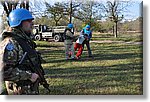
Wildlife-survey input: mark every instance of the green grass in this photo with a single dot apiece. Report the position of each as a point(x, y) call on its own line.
point(134, 37)
point(115, 69)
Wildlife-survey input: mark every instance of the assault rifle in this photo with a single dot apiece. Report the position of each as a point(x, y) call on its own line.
point(37, 68)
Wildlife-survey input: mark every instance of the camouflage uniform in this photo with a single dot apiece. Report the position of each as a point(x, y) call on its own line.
point(69, 48)
point(17, 77)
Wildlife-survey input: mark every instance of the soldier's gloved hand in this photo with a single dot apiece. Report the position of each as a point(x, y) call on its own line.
point(34, 77)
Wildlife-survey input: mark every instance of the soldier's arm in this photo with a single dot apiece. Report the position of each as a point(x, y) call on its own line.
point(12, 54)
point(64, 35)
point(90, 35)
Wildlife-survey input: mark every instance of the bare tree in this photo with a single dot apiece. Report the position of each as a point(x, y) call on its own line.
point(63, 9)
point(24, 4)
point(73, 7)
point(56, 11)
point(115, 10)
point(89, 12)
point(70, 8)
point(10, 5)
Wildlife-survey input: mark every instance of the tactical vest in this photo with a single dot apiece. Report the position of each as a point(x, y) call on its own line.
point(66, 37)
point(26, 46)
point(31, 52)
point(32, 55)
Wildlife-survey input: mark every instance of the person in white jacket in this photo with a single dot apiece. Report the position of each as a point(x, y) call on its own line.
point(78, 46)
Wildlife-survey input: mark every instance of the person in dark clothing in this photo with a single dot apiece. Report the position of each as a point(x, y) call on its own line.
point(86, 31)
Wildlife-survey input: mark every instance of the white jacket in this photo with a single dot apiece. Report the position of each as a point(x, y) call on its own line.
point(80, 39)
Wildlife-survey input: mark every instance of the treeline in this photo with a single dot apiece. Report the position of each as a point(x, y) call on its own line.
point(103, 16)
point(132, 26)
point(99, 26)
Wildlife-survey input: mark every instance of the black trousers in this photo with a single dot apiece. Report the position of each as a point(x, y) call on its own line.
point(87, 43)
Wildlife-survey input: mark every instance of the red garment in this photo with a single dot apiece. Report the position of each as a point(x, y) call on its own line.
point(80, 49)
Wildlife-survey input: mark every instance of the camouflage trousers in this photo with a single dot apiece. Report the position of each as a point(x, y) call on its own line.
point(69, 51)
point(14, 89)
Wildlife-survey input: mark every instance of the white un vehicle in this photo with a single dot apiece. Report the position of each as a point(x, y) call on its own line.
point(44, 32)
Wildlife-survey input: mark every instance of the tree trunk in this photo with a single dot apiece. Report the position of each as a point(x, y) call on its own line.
point(115, 30)
point(9, 6)
point(27, 4)
point(56, 23)
point(70, 20)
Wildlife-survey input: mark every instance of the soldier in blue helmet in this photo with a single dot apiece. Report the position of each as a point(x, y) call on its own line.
point(16, 69)
point(88, 35)
point(68, 41)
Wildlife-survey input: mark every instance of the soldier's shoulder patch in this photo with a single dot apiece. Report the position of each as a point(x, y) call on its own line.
point(9, 47)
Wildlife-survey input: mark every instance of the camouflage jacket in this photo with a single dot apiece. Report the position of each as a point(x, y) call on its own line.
point(11, 53)
point(68, 34)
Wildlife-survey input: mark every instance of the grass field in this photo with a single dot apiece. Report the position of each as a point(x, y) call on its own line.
point(117, 68)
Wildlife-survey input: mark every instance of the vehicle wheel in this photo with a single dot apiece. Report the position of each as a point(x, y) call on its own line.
point(37, 37)
point(56, 38)
point(46, 39)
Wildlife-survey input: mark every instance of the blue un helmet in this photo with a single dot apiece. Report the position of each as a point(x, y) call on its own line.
point(70, 25)
point(17, 16)
point(87, 26)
